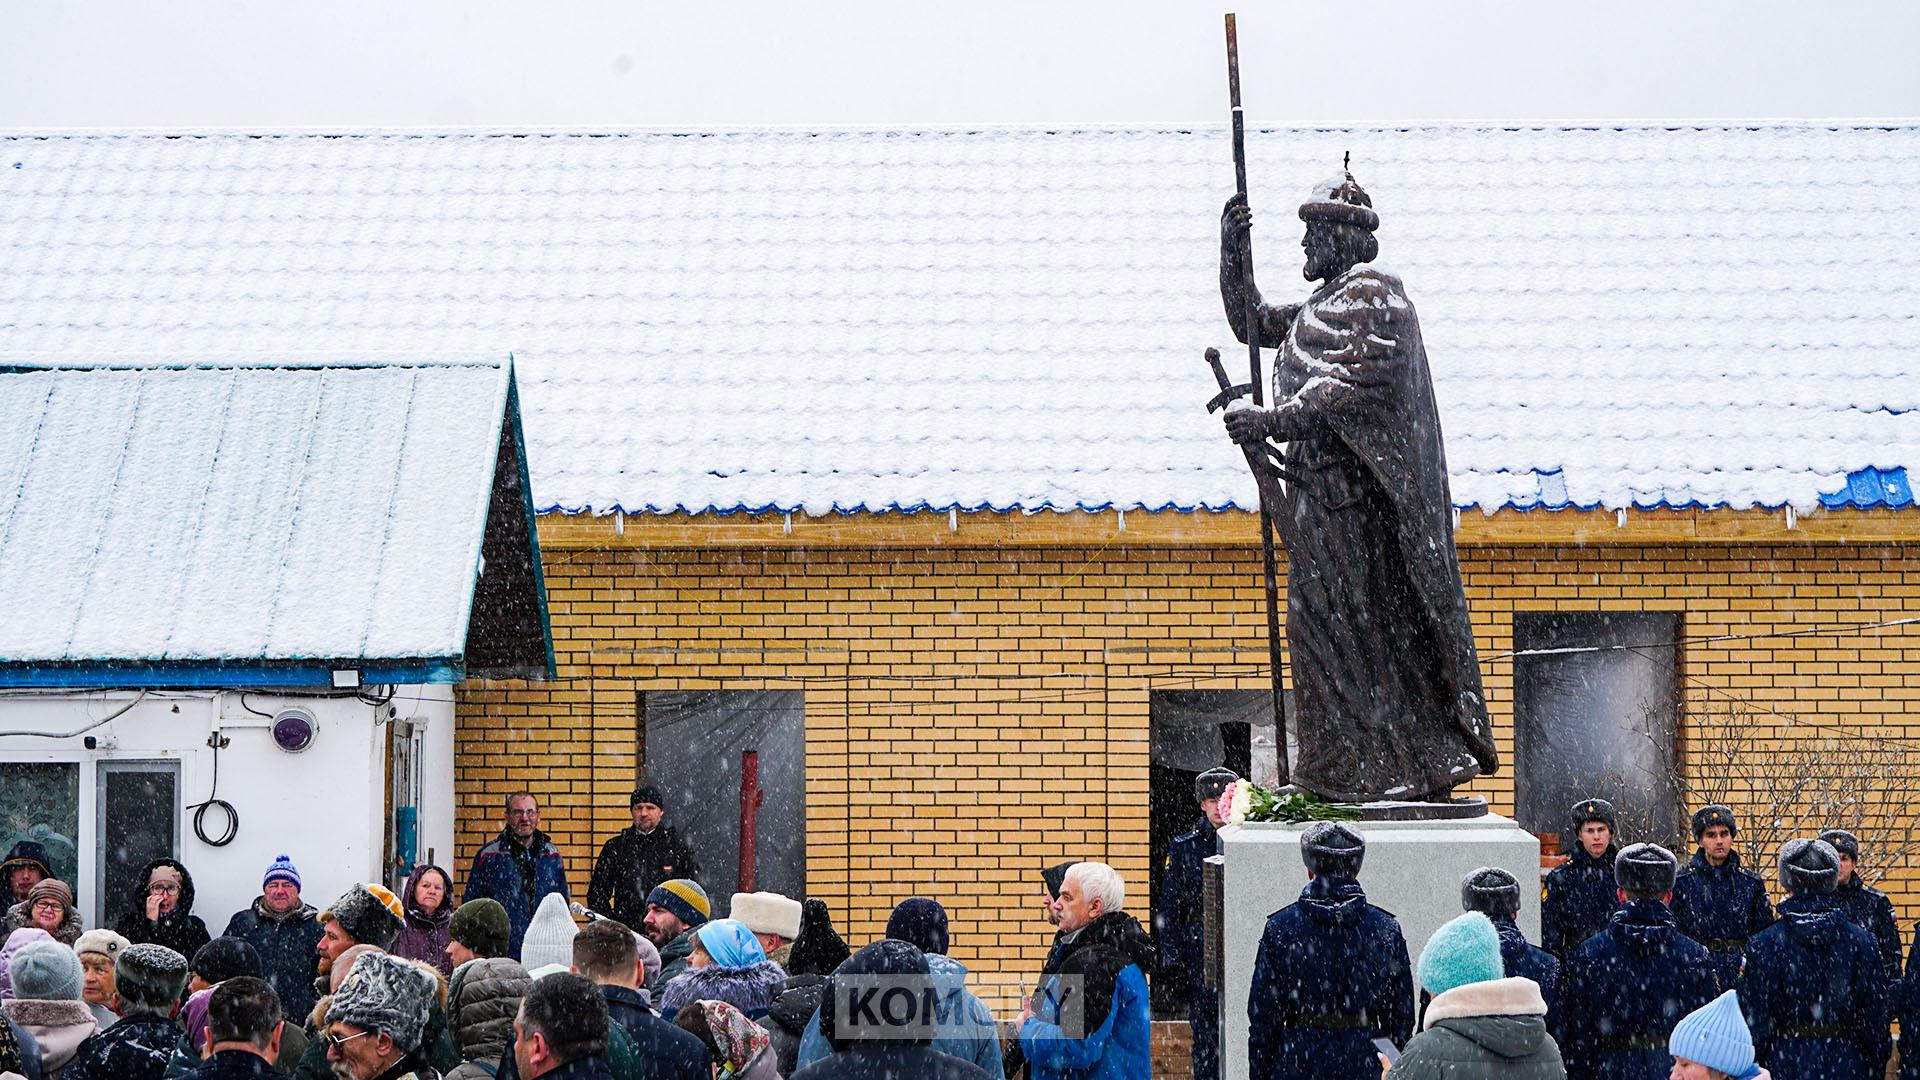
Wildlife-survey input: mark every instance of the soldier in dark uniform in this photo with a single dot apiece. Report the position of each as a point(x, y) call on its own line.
point(1579, 896)
point(1623, 990)
point(1867, 906)
point(1715, 901)
point(1496, 894)
point(1815, 989)
point(1332, 974)
point(1181, 924)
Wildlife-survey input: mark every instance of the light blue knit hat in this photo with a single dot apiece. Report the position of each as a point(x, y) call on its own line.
point(1466, 950)
point(731, 944)
point(1716, 1035)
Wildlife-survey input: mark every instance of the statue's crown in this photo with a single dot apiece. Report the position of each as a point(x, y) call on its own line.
point(1341, 200)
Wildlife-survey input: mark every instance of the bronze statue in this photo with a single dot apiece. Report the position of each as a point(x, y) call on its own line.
point(1387, 696)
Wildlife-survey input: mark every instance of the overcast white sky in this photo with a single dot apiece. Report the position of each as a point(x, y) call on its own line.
point(278, 63)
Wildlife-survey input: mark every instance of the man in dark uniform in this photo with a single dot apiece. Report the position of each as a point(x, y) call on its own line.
point(1496, 894)
point(1866, 906)
point(638, 858)
point(1578, 897)
point(1718, 903)
point(1623, 990)
point(1815, 989)
point(1332, 974)
point(1181, 923)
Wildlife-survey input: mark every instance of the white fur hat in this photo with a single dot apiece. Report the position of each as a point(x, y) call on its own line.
point(767, 913)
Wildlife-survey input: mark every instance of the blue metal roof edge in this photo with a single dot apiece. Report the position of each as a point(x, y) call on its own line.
point(1866, 489)
point(216, 674)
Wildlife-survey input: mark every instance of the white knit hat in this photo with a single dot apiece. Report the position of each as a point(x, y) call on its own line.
point(767, 913)
point(549, 938)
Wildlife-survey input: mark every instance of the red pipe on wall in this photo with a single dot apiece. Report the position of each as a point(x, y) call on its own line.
point(750, 796)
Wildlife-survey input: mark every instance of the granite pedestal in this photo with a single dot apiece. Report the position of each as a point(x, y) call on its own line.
point(1412, 868)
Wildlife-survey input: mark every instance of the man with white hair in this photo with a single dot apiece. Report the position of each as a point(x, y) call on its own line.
point(1091, 1018)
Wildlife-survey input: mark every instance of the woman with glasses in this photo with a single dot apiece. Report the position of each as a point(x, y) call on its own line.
point(163, 910)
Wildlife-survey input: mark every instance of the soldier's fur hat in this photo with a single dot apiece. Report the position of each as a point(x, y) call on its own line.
point(1490, 891)
point(1333, 849)
point(1646, 868)
point(1708, 816)
point(1843, 842)
point(1593, 810)
point(1809, 866)
point(1209, 784)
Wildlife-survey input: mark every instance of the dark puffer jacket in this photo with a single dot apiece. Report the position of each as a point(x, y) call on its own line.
point(138, 1047)
point(1331, 976)
point(481, 1005)
point(1815, 994)
point(285, 944)
point(1484, 1029)
point(794, 1003)
point(180, 930)
point(425, 936)
point(1622, 991)
point(861, 1053)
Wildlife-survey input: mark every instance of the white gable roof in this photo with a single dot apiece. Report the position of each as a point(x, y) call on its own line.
point(193, 513)
point(1014, 318)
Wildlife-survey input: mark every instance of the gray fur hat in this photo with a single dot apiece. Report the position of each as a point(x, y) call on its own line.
point(1646, 868)
point(1490, 891)
point(149, 974)
point(1333, 849)
point(368, 917)
point(1809, 866)
point(385, 993)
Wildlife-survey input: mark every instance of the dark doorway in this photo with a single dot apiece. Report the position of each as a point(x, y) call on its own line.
point(1193, 731)
point(694, 741)
point(1597, 720)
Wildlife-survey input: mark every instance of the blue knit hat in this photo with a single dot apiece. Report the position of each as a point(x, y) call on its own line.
point(1465, 950)
point(1716, 1035)
point(730, 944)
point(281, 870)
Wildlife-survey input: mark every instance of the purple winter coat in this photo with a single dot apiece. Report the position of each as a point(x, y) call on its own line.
point(426, 934)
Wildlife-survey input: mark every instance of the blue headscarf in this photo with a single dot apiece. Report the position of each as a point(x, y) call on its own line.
point(730, 944)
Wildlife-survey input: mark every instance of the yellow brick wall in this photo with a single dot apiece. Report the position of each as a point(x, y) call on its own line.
point(973, 714)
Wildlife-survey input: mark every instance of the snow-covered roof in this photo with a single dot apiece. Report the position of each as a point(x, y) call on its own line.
point(1638, 315)
point(240, 524)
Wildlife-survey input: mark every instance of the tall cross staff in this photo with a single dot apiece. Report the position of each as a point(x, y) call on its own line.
point(1265, 474)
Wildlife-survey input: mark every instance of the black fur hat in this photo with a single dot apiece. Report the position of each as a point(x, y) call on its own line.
point(1843, 842)
point(1809, 866)
point(1209, 784)
point(1490, 891)
point(1333, 849)
point(1646, 868)
point(1708, 816)
point(1593, 810)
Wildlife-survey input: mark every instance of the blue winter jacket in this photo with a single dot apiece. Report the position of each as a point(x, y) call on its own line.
point(970, 1037)
point(1622, 992)
point(1332, 975)
point(1721, 907)
point(497, 875)
point(1108, 960)
point(1869, 909)
point(1815, 995)
point(1577, 899)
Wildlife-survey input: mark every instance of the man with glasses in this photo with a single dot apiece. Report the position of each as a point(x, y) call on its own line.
point(518, 868)
point(375, 1023)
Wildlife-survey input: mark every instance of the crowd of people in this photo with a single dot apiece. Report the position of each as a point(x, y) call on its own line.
point(508, 983)
point(1645, 969)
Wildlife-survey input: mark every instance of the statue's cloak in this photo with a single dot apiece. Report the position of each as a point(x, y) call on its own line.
point(1353, 367)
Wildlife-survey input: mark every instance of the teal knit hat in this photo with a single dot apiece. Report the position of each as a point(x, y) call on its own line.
point(1716, 1035)
point(1466, 950)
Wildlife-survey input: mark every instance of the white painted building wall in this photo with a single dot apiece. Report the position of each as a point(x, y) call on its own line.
point(324, 806)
